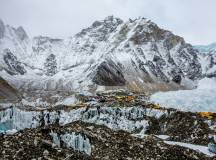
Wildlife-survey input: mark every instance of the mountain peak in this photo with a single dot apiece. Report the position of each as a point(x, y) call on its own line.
point(112, 19)
point(109, 52)
point(21, 33)
point(101, 29)
point(107, 22)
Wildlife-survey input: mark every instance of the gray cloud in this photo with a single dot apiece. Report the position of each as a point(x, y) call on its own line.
point(192, 19)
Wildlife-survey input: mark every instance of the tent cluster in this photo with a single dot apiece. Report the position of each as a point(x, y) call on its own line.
point(209, 115)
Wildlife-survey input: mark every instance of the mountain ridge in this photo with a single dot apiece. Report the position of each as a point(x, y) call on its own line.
point(135, 55)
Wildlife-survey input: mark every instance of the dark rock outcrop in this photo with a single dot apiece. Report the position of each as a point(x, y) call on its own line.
point(177, 79)
point(7, 92)
point(2, 29)
point(14, 66)
point(156, 71)
point(211, 75)
point(109, 74)
point(51, 65)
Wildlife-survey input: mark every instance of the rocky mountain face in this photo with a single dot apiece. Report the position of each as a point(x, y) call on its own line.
point(50, 65)
point(210, 66)
point(13, 65)
point(208, 55)
point(7, 92)
point(136, 55)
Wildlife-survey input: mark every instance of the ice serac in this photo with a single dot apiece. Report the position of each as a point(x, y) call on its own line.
point(73, 140)
point(136, 55)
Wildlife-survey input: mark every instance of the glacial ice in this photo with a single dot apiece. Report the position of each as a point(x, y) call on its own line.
point(20, 119)
point(77, 142)
point(124, 118)
point(203, 98)
point(73, 140)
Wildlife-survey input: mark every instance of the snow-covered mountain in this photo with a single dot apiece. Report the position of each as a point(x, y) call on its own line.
point(208, 58)
point(207, 48)
point(135, 55)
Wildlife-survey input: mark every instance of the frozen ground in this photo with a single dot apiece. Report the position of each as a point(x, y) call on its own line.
point(201, 99)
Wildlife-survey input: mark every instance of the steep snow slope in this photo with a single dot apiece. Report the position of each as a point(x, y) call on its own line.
point(208, 62)
point(135, 55)
point(207, 58)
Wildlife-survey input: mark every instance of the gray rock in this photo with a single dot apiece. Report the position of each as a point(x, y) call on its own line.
point(177, 79)
point(109, 74)
point(7, 92)
point(51, 65)
point(2, 29)
point(45, 153)
point(14, 66)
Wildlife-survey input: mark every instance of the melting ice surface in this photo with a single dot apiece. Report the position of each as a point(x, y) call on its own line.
point(203, 98)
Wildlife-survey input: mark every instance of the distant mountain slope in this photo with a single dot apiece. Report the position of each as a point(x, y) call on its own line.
point(207, 48)
point(135, 55)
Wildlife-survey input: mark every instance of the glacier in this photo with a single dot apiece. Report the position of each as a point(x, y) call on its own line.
point(203, 98)
point(73, 140)
point(129, 119)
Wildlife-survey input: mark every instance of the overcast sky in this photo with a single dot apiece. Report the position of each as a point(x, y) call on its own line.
point(195, 20)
